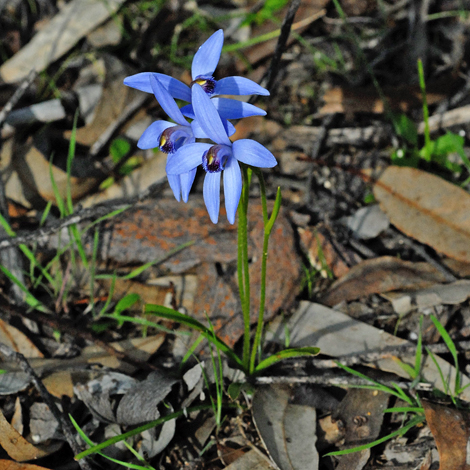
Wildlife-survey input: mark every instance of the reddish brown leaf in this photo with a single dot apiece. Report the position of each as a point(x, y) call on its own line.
point(427, 208)
point(451, 432)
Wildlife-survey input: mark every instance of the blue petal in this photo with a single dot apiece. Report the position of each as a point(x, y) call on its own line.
point(177, 89)
point(229, 127)
point(232, 187)
point(239, 86)
point(167, 102)
point(208, 117)
point(151, 136)
point(197, 130)
point(187, 180)
point(186, 158)
point(207, 57)
point(141, 81)
point(175, 185)
point(188, 111)
point(234, 109)
point(253, 153)
point(227, 109)
point(200, 134)
point(211, 193)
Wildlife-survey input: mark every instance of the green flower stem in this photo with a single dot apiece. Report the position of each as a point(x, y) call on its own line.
point(268, 225)
point(427, 134)
point(243, 267)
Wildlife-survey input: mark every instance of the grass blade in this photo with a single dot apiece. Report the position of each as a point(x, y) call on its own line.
point(287, 353)
point(133, 432)
point(399, 432)
point(190, 322)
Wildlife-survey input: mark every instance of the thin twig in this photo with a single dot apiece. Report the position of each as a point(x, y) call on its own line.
point(273, 70)
point(337, 380)
point(65, 425)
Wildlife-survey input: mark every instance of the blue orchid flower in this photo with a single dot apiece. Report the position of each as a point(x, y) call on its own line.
point(203, 66)
point(224, 156)
point(170, 137)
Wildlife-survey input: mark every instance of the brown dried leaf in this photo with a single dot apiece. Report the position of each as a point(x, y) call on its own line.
point(9, 465)
point(427, 208)
point(18, 341)
point(451, 431)
point(15, 445)
point(379, 275)
point(252, 460)
point(32, 171)
point(114, 98)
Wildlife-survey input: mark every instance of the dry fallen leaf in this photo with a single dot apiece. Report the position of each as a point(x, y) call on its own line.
point(337, 334)
point(32, 172)
point(16, 340)
point(454, 293)
point(17, 447)
point(450, 428)
point(74, 20)
point(379, 275)
point(9, 465)
point(287, 431)
point(427, 208)
point(251, 460)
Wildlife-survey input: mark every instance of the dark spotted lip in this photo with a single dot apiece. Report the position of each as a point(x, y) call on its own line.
point(207, 83)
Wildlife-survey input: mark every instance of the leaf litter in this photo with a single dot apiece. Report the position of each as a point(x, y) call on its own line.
point(321, 187)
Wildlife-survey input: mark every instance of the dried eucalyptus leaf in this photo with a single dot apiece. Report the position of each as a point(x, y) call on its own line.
point(13, 382)
point(96, 394)
point(42, 424)
point(287, 431)
point(140, 403)
point(151, 446)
